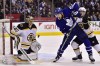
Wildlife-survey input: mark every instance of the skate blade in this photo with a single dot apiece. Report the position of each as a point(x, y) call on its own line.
point(92, 62)
point(79, 60)
point(55, 60)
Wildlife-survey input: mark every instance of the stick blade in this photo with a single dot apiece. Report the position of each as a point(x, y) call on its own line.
point(32, 62)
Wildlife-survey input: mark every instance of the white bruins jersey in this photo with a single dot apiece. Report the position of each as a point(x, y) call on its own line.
point(27, 34)
point(88, 31)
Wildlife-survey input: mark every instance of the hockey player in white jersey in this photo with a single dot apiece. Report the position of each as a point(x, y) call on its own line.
point(83, 22)
point(27, 32)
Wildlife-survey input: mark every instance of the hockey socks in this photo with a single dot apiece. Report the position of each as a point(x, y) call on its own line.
point(77, 51)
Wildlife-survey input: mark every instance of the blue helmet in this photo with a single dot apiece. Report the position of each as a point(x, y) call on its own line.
point(58, 10)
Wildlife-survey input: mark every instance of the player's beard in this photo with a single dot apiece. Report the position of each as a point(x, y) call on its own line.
point(60, 16)
point(30, 23)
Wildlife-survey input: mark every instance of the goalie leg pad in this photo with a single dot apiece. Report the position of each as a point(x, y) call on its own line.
point(33, 56)
point(30, 53)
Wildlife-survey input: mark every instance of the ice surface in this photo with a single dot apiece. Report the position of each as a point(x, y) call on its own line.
point(50, 45)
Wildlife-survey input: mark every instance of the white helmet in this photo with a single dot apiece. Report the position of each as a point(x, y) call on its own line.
point(82, 9)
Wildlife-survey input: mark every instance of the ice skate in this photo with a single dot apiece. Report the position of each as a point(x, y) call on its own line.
point(77, 58)
point(57, 58)
point(92, 60)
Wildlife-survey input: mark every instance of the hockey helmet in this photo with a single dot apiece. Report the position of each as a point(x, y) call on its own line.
point(82, 9)
point(58, 10)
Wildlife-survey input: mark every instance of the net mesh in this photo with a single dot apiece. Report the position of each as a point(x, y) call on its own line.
point(4, 37)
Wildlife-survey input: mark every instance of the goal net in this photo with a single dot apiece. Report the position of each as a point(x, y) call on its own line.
point(5, 46)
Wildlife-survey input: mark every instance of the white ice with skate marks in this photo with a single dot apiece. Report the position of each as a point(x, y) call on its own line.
point(50, 45)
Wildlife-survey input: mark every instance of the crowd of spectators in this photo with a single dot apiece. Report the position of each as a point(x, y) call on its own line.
point(44, 8)
point(31, 7)
point(92, 6)
point(27, 7)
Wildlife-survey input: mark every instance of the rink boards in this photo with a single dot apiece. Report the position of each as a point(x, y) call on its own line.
point(50, 28)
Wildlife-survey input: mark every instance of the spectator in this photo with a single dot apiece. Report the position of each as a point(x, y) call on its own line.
point(93, 17)
point(98, 16)
point(1, 14)
point(31, 7)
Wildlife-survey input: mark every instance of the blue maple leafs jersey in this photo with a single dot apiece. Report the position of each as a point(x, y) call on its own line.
point(67, 21)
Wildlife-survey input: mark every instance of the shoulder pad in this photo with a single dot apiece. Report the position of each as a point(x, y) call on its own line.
point(22, 26)
point(34, 26)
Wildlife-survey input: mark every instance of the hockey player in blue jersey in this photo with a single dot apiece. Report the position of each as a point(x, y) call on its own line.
point(68, 26)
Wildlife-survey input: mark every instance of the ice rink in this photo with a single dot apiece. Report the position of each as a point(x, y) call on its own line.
point(50, 45)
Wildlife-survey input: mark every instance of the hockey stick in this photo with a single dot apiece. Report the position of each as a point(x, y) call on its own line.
point(25, 55)
point(68, 34)
point(6, 30)
point(9, 34)
point(23, 51)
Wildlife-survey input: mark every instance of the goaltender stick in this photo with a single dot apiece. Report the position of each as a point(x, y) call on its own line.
point(27, 32)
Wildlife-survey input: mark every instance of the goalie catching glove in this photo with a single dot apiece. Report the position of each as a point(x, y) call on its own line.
point(35, 46)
